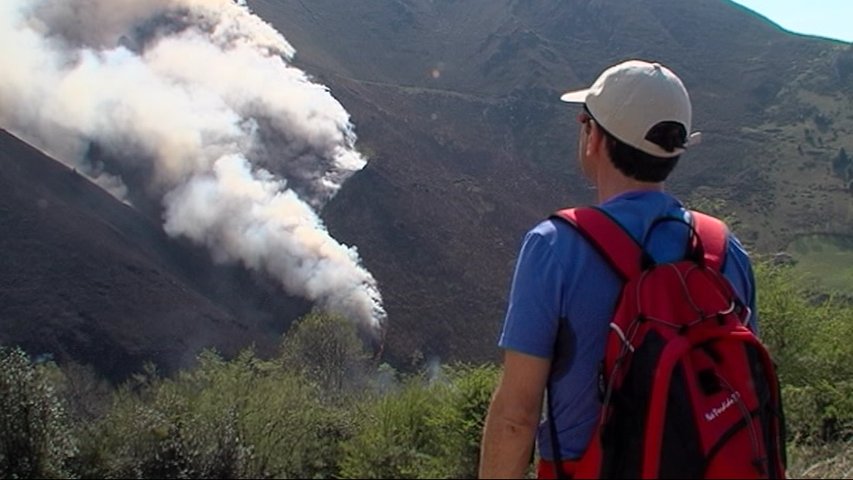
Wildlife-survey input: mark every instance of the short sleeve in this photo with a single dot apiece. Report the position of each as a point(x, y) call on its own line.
point(738, 270)
point(532, 317)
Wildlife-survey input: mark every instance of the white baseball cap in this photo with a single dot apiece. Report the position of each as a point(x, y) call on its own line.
point(630, 98)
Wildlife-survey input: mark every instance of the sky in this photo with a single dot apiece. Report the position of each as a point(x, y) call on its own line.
point(824, 18)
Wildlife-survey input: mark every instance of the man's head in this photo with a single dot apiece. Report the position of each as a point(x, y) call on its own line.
point(644, 114)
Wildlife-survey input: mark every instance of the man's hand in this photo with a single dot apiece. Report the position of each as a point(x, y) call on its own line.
point(513, 416)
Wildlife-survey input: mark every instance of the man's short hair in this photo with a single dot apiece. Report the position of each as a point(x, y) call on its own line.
point(639, 165)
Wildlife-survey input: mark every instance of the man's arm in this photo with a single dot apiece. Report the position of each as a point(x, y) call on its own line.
point(513, 416)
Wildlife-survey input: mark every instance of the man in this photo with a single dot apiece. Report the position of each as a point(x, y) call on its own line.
point(634, 125)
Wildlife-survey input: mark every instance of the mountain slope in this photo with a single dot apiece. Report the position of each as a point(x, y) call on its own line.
point(88, 279)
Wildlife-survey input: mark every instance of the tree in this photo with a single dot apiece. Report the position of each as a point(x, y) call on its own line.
point(844, 64)
point(842, 165)
point(326, 349)
point(36, 439)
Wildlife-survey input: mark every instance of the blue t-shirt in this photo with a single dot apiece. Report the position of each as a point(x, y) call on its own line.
point(560, 277)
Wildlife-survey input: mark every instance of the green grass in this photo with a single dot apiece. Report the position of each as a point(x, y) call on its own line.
point(825, 261)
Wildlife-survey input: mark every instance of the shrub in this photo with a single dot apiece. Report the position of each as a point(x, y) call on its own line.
point(427, 429)
point(394, 438)
point(292, 429)
point(467, 398)
point(224, 419)
point(811, 339)
point(161, 428)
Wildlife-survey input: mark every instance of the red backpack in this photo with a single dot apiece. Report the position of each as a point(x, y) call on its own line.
point(688, 391)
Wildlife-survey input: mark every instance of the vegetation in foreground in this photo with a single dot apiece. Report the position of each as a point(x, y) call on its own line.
point(322, 408)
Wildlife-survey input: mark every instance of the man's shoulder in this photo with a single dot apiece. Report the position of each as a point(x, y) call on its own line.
point(551, 227)
point(555, 240)
point(554, 232)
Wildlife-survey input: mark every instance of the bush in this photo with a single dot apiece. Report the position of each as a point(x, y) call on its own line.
point(293, 429)
point(160, 428)
point(427, 429)
point(35, 435)
point(394, 438)
point(468, 395)
point(811, 339)
point(224, 419)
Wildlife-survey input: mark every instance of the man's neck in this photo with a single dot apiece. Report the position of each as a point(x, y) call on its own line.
point(617, 185)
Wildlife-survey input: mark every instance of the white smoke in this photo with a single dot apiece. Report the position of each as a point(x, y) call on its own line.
point(238, 146)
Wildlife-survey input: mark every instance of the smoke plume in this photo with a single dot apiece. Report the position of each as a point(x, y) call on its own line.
point(238, 147)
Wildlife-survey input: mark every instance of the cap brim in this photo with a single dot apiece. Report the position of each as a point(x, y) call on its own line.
point(694, 138)
point(578, 96)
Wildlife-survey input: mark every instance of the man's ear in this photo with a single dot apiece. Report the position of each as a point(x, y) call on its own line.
point(595, 139)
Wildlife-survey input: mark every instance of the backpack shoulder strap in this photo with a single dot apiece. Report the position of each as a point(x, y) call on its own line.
point(714, 236)
point(619, 248)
